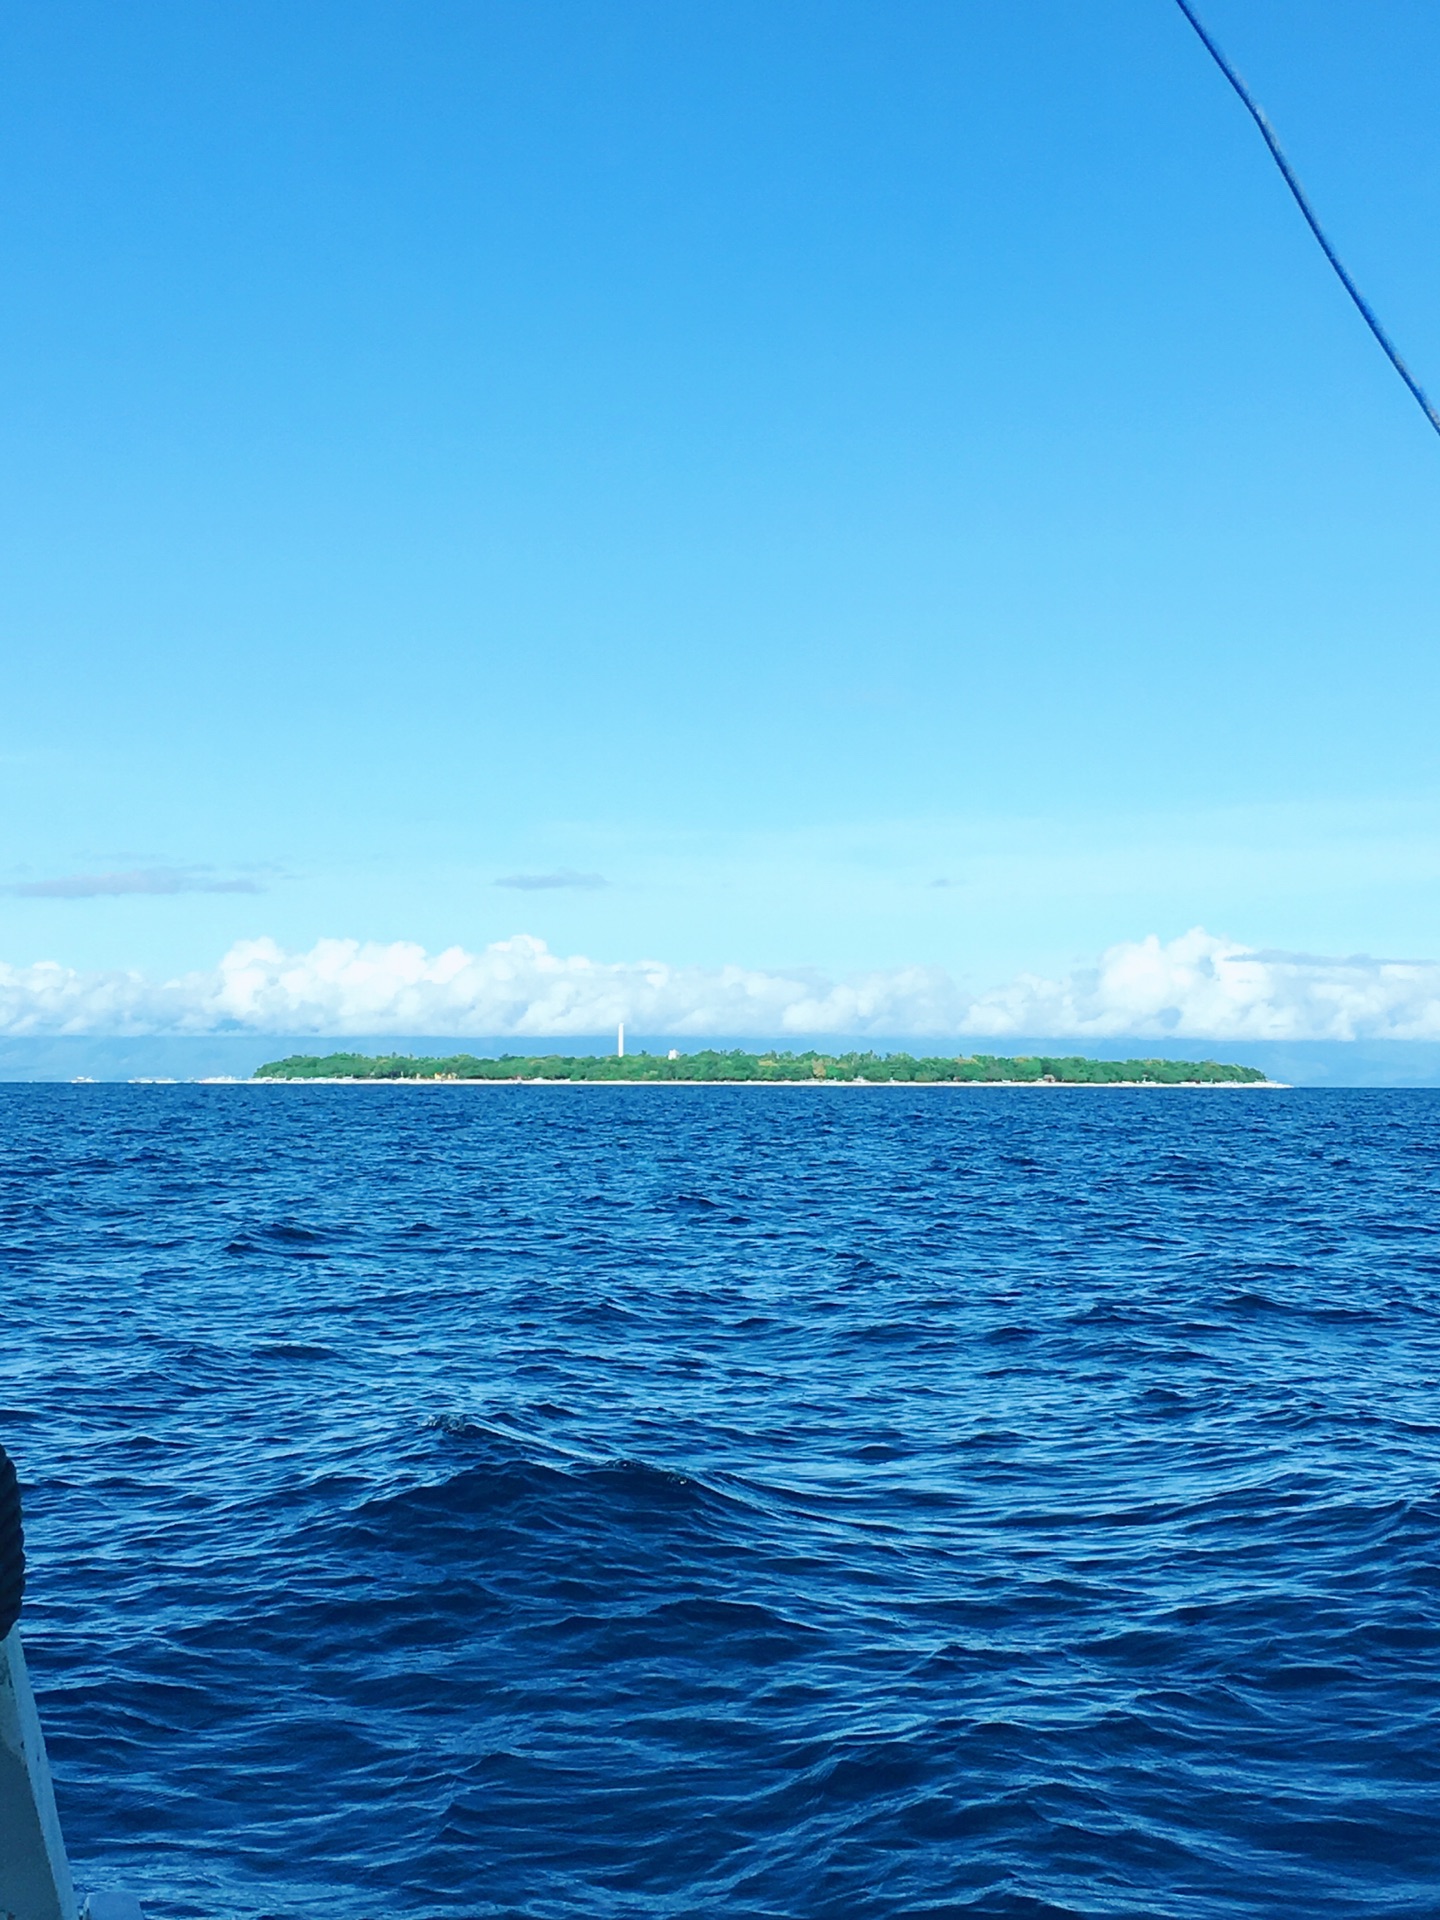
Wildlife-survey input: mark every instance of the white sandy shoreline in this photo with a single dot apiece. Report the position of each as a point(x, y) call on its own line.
point(803, 1086)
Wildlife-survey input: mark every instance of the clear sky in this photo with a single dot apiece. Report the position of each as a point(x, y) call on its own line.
point(872, 485)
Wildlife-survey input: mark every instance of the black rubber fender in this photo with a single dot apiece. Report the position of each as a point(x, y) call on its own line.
point(12, 1546)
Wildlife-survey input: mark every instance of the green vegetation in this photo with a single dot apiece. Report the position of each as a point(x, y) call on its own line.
point(1071, 1070)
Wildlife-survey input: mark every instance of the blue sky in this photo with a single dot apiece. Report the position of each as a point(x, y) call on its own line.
point(875, 486)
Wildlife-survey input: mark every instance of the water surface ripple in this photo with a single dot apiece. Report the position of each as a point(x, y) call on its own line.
point(608, 1501)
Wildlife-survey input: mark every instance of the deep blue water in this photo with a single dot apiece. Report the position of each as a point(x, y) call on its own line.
point(793, 1502)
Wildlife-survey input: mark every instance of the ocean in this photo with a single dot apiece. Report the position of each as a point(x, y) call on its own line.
point(875, 1504)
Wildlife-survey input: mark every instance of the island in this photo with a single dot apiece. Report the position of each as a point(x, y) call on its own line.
point(733, 1066)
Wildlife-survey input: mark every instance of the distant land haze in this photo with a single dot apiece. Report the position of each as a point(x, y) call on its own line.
point(235, 1056)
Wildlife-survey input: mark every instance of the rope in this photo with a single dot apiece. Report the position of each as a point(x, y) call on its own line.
point(1367, 312)
point(12, 1546)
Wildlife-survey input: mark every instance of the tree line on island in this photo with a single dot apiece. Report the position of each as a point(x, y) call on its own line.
point(735, 1065)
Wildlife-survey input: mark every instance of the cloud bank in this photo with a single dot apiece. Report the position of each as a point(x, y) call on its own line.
point(1197, 988)
point(91, 886)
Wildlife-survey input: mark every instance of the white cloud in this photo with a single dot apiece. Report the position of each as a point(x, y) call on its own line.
point(548, 882)
point(1202, 987)
point(1195, 987)
point(93, 886)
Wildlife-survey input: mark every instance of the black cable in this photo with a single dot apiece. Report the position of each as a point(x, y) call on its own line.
point(1367, 312)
